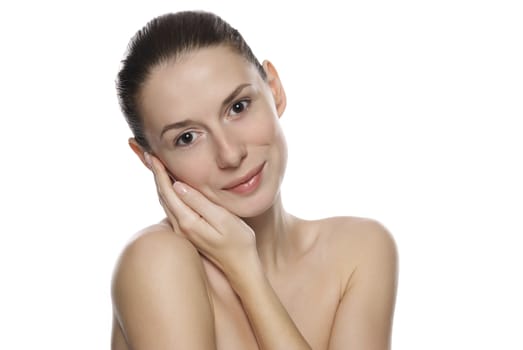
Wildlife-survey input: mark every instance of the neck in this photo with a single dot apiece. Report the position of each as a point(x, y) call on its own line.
point(273, 231)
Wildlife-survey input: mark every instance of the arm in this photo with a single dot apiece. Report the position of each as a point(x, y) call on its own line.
point(160, 296)
point(365, 313)
point(231, 245)
point(117, 338)
point(273, 327)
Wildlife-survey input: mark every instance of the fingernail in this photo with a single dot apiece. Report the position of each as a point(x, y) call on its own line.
point(180, 188)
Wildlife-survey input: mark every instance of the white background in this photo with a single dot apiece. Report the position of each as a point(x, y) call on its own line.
point(408, 112)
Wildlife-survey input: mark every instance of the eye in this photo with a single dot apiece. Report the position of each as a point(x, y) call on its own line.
point(186, 138)
point(239, 107)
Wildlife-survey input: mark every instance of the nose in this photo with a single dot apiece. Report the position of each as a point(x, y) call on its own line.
point(230, 150)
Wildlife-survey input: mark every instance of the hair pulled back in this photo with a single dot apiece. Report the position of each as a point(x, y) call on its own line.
point(163, 39)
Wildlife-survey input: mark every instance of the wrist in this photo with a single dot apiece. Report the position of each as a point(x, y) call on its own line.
point(247, 275)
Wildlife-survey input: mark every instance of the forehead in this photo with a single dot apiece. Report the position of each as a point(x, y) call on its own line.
point(197, 80)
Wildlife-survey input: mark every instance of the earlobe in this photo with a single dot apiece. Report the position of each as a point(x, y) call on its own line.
point(276, 86)
point(138, 150)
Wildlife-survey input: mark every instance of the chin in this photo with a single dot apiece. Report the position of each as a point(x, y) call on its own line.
point(261, 200)
point(254, 206)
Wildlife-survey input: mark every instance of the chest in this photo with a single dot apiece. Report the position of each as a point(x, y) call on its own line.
point(309, 294)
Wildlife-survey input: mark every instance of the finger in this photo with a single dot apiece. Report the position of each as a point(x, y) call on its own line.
point(171, 218)
point(217, 216)
point(196, 228)
point(163, 184)
point(157, 172)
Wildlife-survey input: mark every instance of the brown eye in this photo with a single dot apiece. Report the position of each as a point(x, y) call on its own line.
point(239, 107)
point(185, 139)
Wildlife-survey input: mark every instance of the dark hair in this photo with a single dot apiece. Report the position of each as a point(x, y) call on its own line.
point(163, 39)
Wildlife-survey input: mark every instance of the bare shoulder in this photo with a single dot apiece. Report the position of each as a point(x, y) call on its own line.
point(154, 244)
point(358, 243)
point(149, 292)
point(153, 252)
point(365, 255)
point(154, 255)
point(362, 236)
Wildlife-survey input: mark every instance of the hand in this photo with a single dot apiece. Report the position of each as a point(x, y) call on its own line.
point(219, 235)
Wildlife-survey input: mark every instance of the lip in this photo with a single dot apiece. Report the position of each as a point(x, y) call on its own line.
point(245, 180)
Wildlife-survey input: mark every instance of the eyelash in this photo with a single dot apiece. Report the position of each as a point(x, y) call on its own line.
point(178, 139)
point(244, 102)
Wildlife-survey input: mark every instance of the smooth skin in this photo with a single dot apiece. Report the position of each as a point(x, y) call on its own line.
point(236, 271)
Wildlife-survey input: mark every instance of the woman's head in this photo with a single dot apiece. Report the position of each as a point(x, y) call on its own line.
point(196, 97)
point(166, 39)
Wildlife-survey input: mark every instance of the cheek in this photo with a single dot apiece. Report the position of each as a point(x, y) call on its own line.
point(269, 134)
point(191, 169)
point(264, 131)
point(281, 150)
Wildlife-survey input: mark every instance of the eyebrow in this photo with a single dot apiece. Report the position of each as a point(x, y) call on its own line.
point(186, 122)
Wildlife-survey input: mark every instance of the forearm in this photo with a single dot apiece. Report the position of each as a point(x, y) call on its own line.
point(272, 325)
point(230, 244)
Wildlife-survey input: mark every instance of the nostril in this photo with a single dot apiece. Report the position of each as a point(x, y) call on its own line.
point(230, 150)
point(231, 158)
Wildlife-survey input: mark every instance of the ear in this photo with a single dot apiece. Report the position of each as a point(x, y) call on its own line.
point(138, 150)
point(278, 93)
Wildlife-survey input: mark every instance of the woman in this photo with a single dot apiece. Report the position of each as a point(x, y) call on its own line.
point(229, 268)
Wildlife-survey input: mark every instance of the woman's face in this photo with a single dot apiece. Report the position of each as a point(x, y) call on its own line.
point(214, 123)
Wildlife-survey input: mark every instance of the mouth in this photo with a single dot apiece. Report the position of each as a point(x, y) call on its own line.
point(247, 183)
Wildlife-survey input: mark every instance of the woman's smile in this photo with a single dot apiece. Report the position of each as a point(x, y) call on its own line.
point(247, 183)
